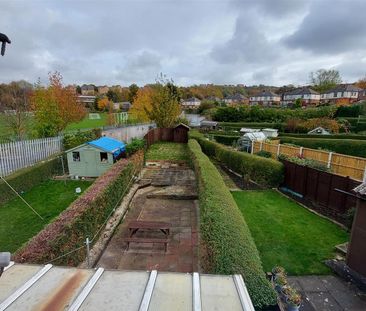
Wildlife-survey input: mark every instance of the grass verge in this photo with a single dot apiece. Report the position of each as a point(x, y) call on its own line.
point(287, 234)
point(18, 223)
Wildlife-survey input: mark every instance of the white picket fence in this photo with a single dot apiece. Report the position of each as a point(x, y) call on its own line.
point(20, 154)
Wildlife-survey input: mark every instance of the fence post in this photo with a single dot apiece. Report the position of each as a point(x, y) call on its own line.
point(87, 242)
point(261, 146)
point(301, 149)
point(329, 159)
point(364, 175)
point(253, 144)
point(278, 149)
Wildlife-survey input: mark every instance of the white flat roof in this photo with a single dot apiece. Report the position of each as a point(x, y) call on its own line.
point(33, 287)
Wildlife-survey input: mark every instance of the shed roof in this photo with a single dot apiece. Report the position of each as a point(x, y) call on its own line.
point(30, 287)
point(256, 136)
point(108, 144)
point(209, 123)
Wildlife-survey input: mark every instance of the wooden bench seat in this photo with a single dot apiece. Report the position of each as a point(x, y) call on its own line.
point(146, 240)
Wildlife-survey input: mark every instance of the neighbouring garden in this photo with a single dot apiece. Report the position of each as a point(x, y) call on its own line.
point(287, 234)
point(17, 221)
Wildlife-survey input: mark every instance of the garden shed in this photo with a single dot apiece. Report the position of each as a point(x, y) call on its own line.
point(93, 158)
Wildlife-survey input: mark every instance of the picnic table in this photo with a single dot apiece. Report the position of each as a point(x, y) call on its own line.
point(136, 225)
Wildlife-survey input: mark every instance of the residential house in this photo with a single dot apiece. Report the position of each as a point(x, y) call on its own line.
point(307, 96)
point(362, 95)
point(87, 89)
point(343, 94)
point(123, 106)
point(266, 99)
point(236, 99)
point(87, 100)
point(102, 90)
point(191, 103)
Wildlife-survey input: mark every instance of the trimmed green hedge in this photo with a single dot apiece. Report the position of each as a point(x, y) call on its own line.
point(24, 179)
point(77, 138)
point(226, 139)
point(335, 136)
point(83, 218)
point(256, 125)
point(228, 245)
point(266, 172)
point(344, 146)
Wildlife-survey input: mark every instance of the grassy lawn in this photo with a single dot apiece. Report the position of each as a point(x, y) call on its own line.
point(18, 223)
point(168, 151)
point(287, 234)
point(87, 123)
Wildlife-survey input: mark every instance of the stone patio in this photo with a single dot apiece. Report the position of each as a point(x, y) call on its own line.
point(323, 293)
point(170, 197)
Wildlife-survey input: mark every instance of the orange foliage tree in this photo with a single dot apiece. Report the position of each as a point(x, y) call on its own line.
point(143, 104)
point(104, 104)
point(55, 106)
point(362, 83)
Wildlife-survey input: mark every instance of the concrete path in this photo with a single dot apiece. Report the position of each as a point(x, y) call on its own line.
point(171, 197)
point(323, 293)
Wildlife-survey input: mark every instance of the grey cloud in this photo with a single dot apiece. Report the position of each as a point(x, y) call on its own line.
point(332, 27)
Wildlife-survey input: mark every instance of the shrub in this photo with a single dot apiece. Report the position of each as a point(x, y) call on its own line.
point(72, 140)
point(264, 154)
point(83, 218)
point(344, 146)
point(266, 172)
point(25, 179)
point(135, 145)
point(229, 246)
point(226, 139)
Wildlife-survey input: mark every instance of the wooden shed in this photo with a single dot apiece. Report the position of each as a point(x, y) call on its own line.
point(180, 133)
point(93, 158)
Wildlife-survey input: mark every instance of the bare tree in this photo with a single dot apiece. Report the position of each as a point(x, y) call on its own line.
point(323, 80)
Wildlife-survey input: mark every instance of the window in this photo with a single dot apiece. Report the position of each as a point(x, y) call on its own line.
point(103, 157)
point(76, 156)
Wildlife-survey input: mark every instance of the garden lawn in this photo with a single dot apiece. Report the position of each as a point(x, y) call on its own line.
point(87, 123)
point(18, 223)
point(287, 234)
point(167, 151)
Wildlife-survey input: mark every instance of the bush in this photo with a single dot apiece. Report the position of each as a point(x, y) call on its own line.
point(25, 179)
point(83, 218)
point(75, 139)
point(228, 245)
point(344, 146)
point(264, 154)
point(231, 126)
point(135, 145)
point(226, 139)
point(266, 172)
point(305, 162)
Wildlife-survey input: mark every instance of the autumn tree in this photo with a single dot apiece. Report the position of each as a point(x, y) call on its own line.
point(104, 104)
point(362, 83)
point(323, 80)
point(55, 106)
point(142, 104)
point(15, 98)
point(165, 107)
point(133, 89)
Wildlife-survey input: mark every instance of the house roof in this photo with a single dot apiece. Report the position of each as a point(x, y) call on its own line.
point(319, 130)
point(265, 93)
point(344, 88)
point(108, 144)
point(209, 123)
point(302, 91)
point(31, 287)
point(182, 125)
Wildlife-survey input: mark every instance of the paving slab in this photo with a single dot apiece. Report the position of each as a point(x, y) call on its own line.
point(329, 292)
point(159, 203)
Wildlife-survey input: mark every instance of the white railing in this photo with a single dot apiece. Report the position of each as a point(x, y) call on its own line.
point(20, 154)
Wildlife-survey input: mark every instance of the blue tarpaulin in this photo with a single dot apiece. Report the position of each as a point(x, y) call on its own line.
point(110, 145)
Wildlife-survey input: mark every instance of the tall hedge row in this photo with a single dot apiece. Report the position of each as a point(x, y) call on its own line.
point(335, 136)
point(264, 171)
point(228, 245)
point(83, 218)
point(345, 146)
point(228, 140)
point(24, 179)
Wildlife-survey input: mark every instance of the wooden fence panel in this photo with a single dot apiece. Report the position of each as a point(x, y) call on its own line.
point(21, 154)
point(340, 164)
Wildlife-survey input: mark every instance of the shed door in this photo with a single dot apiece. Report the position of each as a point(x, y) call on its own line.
point(90, 163)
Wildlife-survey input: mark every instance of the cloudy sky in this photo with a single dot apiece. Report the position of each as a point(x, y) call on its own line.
point(273, 42)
